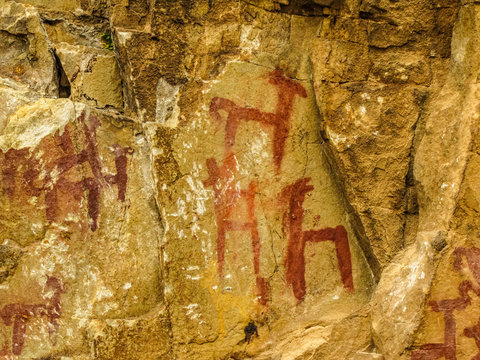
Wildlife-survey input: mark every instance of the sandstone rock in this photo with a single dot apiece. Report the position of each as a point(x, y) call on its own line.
point(371, 79)
point(400, 67)
point(69, 5)
point(449, 123)
point(349, 335)
point(92, 75)
point(367, 356)
point(450, 320)
point(340, 340)
point(399, 296)
point(451, 314)
point(359, 123)
point(26, 54)
point(340, 60)
point(146, 337)
point(61, 29)
point(78, 7)
point(9, 256)
point(246, 179)
point(12, 96)
point(228, 272)
point(64, 169)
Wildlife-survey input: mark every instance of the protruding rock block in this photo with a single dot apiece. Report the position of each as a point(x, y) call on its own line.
point(92, 75)
point(255, 226)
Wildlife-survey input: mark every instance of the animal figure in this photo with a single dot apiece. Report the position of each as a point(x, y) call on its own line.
point(287, 90)
point(250, 330)
point(18, 315)
point(294, 195)
point(474, 333)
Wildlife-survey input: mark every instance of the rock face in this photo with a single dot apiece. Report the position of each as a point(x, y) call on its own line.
point(262, 179)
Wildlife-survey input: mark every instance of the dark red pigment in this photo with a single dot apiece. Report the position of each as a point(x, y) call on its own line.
point(473, 260)
point(19, 315)
point(222, 178)
point(120, 178)
point(294, 195)
point(474, 333)
point(287, 89)
point(70, 159)
point(227, 196)
point(448, 349)
point(12, 159)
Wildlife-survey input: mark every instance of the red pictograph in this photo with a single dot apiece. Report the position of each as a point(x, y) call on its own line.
point(287, 90)
point(448, 349)
point(19, 315)
point(227, 196)
point(54, 178)
point(474, 333)
point(294, 196)
point(222, 179)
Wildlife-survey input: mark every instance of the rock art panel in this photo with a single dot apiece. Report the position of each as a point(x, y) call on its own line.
point(452, 311)
point(447, 200)
point(255, 226)
point(226, 197)
point(280, 143)
point(297, 239)
point(287, 90)
point(58, 178)
point(18, 315)
point(76, 202)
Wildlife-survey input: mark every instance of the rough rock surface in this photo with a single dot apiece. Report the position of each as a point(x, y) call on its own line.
point(239, 179)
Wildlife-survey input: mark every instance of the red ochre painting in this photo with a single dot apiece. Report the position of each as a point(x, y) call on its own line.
point(58, 176)
point(222, 178)
point(464, 258)
point(65, 170)
point(17, 316)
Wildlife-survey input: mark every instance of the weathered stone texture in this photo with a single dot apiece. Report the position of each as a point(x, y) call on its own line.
point(146, 337)
point(26, 53)
point(371, 79)
point(246, 179)
point(92, 75)
point(451, 312)
point(225, 274)
point(63, 165)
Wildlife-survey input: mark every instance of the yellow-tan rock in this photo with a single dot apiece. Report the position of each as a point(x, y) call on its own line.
point(26, 53)
point(63, 165)
point(92, 75)
point(239, 179)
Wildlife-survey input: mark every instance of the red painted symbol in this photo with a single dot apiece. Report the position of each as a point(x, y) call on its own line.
point(474, 333)
point(227, 196)
point(287, 89)
point(294, 196)
point(54, 178)
point(19, 315)
point(448, 348)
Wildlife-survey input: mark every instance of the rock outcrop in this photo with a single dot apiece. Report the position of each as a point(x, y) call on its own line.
point(261, 179)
